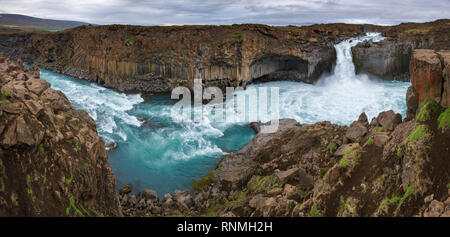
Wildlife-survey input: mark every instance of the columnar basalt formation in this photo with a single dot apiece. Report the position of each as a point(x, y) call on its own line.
point(387, 167)
point(52, 162)
point(430, 71)
point(157, 59)
point(390, 58)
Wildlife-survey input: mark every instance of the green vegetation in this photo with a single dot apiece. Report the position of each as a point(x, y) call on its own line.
point(213, 209)
point(291, 206)
point(237, 36)
point(28, 178)
point(41, 149)
point(78, 147)
point(86, 166)
point(1, 101)
point(448, 186)
point(343, 163)
point(369, 142)
point(409, 191)
point(323, 172)
point(350, 155)
point(69, 180)
point(387, 202)
point(314, 212)
point(427, 108)
point(419, 132)
point(381, 129)
point(332, 147)
point(199, 185)
point(238, 200)
point(400, 153)
point(345, 204)
point(444, 119)
point(5, 92)
point(73, 206)
point(395, 199)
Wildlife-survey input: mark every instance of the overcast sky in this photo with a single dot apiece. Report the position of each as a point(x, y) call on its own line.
point(272, 12)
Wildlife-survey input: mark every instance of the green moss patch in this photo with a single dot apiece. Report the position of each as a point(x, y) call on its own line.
point(444, 119)
point(314, 212)
point(419, 132)
point(427, 108)
point(352, 155)
point(5, 92)
point(199, 185)
point(332, 147)
point(369, 142)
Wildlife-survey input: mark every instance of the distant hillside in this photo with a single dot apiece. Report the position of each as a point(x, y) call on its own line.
point(28, 22)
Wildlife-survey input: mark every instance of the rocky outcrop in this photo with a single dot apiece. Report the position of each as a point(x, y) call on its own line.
point(390, 58)
point(157, 59)
point(429, 72)
point(52, 162)
point(392, 169)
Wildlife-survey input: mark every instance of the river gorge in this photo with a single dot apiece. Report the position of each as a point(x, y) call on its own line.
point(158, 152)
point(89, 122)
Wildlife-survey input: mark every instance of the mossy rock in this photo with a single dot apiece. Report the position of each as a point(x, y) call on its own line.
point(428, 107)
point(201, 184)
point(421, 131)
point(444, 119)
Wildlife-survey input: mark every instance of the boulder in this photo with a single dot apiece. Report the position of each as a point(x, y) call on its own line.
point(149, 194)
point(389, 119)
point(380, 138)
point(12, 107)
point(342, 149)
point(356, 130)
point(294, 176)
point(435, 209)
point(37, 86)
point(34, 106)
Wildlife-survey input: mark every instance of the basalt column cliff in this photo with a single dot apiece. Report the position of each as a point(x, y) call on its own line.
point(157, 59)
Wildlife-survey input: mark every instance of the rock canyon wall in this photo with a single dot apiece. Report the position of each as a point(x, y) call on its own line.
point(52, 162)
point(157, 59)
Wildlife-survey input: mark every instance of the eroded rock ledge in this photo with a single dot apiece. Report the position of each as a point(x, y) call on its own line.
point(52, 162)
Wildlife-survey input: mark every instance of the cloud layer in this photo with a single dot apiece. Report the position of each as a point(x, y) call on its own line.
point(272, 12)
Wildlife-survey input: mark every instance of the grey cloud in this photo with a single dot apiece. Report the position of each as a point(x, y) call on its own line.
point(272, 12)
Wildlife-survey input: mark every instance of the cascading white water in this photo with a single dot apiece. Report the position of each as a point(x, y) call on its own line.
point(170, 154)
point(343, 95)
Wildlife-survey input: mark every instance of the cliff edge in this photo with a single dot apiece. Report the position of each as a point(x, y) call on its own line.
point(52, 162)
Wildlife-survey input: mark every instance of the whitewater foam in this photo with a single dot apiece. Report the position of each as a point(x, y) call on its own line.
point(169, 153)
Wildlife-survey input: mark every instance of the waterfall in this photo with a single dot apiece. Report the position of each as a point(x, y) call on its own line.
point(165, 155)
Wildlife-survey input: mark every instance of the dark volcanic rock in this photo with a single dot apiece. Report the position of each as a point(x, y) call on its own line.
point(47, 166)
point(130, 58)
